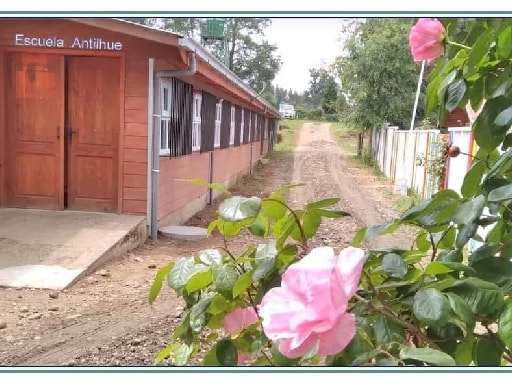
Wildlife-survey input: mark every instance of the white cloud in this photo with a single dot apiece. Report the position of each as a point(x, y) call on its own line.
point(303, 43)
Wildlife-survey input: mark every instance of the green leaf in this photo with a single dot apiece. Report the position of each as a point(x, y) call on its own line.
point(464, 351)
point(445, 82)
point(311, 223)
point(333, 214)
point(242, 283)
point(322, 203)
point(497, 270)
point(504, 117)
point(423, 241)
point(358, 237)
point(504, 46)
point(166, 352)
point(202, 183)
point(427, 355)
point(182, 355)
point(180, 273)
point(386, 331)
point(226, 353)
point(197, 312)
point(224, 278)
point(448, 239)
point(456, 266)
point(454, 255)
point(199, 280)
point(259, 227)
point(469, 210)
point(505, 325)
point(486, 353)
point(483, 297)
point(218, 305)
point(473, 179)
point(394, 266)
point(156, 286)
point(455, 94)
point(265, 260)
point(487, 134)
point(281, 191)
point(431, 307)
point(210, 359)
point(210, 256)
point(437, 268)
point(462, 310)
point(239, 208)
point(273, 209)
point(381, 229)
point(480, 49)
point(501, 193)
point(465, 233)
point(501, 165)
point(483, 252)
point(476, 93)
point(211, 227)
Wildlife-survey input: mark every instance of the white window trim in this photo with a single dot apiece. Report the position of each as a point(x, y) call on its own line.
point(165, 113)
point(232, 126)
point(218, 121)
point(196, 123)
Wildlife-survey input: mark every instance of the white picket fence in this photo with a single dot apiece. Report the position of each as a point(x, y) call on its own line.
point(410, 157)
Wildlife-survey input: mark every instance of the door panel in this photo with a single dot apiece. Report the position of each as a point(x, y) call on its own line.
point(93, 133)
point(34, 130)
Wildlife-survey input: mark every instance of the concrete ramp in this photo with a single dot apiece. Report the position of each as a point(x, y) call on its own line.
point(53, 249)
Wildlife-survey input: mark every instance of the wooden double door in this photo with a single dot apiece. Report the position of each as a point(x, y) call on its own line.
point(62, 121)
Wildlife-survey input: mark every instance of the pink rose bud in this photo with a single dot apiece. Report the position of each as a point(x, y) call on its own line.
point(426, 40)
point(309, 309)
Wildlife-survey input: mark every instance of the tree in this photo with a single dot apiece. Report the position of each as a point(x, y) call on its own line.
point(330, 98)
point(378, 75)
point(320, 80)
point(251, 57)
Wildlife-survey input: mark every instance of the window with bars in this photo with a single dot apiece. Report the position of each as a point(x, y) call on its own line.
point(176, 116)
point(232, 126)
point(251, 123)
point(218, 120)
point(196, 123)
point(242, 128)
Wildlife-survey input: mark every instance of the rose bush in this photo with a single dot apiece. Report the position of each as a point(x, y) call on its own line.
point(438, 302)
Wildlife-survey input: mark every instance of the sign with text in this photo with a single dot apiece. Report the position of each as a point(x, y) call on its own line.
point(92, 43)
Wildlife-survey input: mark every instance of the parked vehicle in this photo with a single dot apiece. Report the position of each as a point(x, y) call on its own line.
point(287, 111)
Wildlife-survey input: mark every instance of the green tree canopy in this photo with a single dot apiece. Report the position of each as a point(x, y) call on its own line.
point(378, 74)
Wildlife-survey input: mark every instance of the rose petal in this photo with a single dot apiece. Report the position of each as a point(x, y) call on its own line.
point(239, 318)
point(336, 339)
point(277, 309)
point(243, 357)
point(349, 268)
point(285, 347)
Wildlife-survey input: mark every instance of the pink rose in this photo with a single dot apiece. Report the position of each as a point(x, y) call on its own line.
point(309, 309)
point(236, 321)
point(426, 39)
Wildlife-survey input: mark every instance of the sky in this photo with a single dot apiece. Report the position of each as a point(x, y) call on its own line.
point(303, 43)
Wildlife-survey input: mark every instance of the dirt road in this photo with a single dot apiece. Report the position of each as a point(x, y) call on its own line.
point(105, 319)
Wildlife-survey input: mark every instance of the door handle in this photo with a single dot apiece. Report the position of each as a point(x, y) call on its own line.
point(70, 133)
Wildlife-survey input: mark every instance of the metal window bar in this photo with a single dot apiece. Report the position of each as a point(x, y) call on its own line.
point(225, 125)
point(208, 109)
point(238, 126)
point(180, 136)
